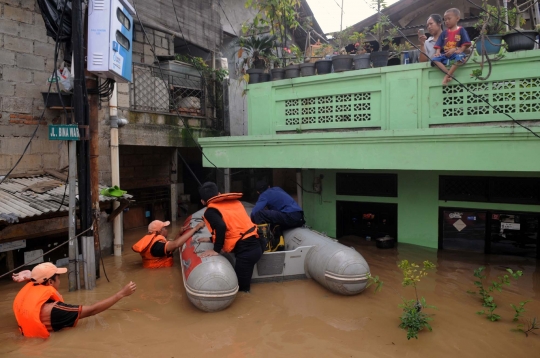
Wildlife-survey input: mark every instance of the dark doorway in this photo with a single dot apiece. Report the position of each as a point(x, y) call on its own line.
point(366, 219)
point(489, 231)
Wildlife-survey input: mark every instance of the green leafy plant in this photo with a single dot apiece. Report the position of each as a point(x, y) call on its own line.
point(521, 8)
point(273, 60)
point(519, 309)
point(374, 280)
point(298, 54)
point(201, 66)
point(491, 22)
point(322, 50)
point(485, 293)
point(280, 16)
point(413, 319)
point(256, 50)
point(383, 31)
point(340, 39)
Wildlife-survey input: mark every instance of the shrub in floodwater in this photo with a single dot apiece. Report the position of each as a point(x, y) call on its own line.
point(485, 293)
point(519, 309)
point(413, 319)
point(374, 280)
point(532, 325)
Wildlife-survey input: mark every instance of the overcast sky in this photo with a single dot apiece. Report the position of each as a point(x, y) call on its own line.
point(328, 12)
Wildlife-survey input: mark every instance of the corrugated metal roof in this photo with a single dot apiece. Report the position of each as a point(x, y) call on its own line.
point(17, 203)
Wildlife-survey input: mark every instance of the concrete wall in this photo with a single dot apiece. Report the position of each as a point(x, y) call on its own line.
point(418, 203)
point(237, 100)
point(233, 15)
point(26, 61)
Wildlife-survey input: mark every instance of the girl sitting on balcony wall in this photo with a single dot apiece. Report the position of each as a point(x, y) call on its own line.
point(434, 26)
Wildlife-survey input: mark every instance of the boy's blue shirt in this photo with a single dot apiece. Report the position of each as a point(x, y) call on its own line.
point(452, 39)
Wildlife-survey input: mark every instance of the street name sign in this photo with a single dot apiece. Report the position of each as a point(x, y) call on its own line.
point(64, 132)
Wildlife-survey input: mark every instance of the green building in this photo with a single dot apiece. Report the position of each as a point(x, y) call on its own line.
point(390, 151)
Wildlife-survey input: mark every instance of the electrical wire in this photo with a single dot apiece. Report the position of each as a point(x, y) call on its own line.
point(481, 98)
point(57, 42)
point(307, 191)
point(152, 48)
point(104, 90)
point(224, 13)
point(51, 250)
point(501, 20)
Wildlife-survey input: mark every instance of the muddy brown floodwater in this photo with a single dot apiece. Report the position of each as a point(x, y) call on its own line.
point(289, 319)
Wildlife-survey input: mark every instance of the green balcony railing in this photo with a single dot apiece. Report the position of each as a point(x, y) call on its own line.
point(397, 97)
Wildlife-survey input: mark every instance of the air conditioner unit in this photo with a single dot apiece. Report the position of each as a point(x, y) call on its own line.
point(110, 39)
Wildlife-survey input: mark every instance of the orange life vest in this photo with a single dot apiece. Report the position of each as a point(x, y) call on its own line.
point(144, 245)
point(27, 307)
point(239, 225)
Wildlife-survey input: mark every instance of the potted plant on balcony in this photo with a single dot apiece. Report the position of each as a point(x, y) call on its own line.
point(342, 60)
point(274, 68)
point(306, 68)
point(491, 28)
point(361, 57)
point(383, 33)
point(254, 52)
point(323, 66)
point(524, 39)
point(279, 17)
point(294, 57)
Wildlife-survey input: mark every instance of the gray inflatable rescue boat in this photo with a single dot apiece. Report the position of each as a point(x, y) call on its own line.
point(211, 283)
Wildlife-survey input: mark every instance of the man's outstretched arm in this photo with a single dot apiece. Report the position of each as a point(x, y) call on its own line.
point(107, 303)
point(170, 246)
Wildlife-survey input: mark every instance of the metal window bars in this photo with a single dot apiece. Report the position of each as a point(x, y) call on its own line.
point(176, 90)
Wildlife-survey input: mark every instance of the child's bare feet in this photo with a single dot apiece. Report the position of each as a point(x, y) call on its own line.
point(446, 79)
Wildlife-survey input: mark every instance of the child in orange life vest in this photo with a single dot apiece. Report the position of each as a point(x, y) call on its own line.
point(453, 41)
point(154, 248)
point(40, 309)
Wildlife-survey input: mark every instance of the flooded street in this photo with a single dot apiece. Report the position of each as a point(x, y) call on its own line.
point(296, 318)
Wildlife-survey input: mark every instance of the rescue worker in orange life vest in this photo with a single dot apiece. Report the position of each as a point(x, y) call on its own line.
point(232, 231)
point(154, 248)
point(40, 309)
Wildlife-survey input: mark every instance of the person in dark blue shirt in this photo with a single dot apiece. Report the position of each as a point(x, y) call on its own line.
point(276, 207)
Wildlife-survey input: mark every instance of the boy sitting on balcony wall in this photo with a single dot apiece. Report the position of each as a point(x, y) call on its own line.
point(453, 41)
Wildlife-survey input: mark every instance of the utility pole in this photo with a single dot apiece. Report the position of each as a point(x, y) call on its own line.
point(341, 24)
point(93, 101)
point(81, 113)
point(72, 217)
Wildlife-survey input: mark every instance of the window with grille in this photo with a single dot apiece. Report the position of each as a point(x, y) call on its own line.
point(362, 184)
point(352, 107)
point(490, 189)
point(508, 96)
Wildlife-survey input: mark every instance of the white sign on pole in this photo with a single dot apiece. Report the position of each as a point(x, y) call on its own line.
point(33, 257)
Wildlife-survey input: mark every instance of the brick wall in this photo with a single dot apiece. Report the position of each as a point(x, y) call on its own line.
point(142, 51)
point(162, 43)
point(144, 167)
point(26, 61)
